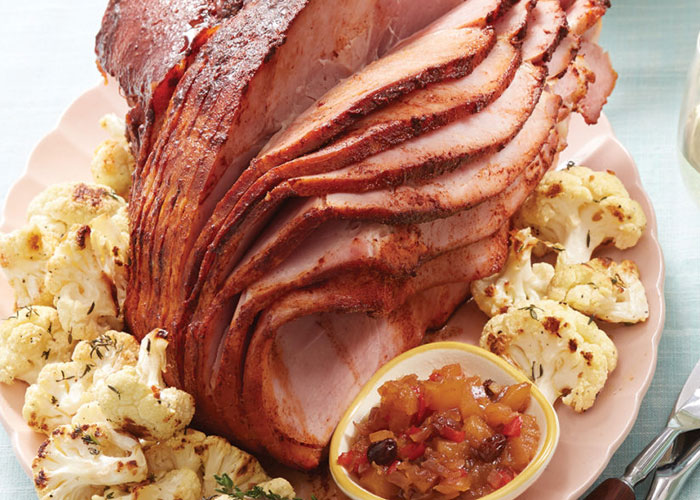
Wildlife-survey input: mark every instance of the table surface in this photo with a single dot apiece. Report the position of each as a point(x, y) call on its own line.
point(48, 62)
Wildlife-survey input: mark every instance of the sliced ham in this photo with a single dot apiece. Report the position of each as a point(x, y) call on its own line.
point(584, 14)
point(598, 61)
point(439, 150)
point(513, 23)
point(421, 157)
point(288, 233)
point(393, 250)
point(547, 26)
point(563, 56)
point(469, 184)
point(257, 71)
point(444, 54)
point(437, 105)
point(323, 180)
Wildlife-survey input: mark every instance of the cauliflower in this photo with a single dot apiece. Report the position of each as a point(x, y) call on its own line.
point(602, 288)
point(180, 484)
point(87, 275)
point(220, 458)
point(113, 164)
point(274, 488)
point(78, 462)
point(62, 388)
point(136, 400)
point(518, 282)
point(23, 257)
point(89, 413)
point(560, 349)
point(25, 253)
point(582, 209)
point(30, 339)
point(208, 456)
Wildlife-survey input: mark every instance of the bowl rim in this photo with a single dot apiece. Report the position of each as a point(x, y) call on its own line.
point(528, 475)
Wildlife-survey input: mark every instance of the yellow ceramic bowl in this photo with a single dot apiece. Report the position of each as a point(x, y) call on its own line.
point(422, 361)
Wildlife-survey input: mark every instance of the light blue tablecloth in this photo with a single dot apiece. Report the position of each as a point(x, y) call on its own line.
point(47, 62)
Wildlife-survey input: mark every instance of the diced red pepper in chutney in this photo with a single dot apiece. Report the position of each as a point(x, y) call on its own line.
point(455, 436)
point(512, 428)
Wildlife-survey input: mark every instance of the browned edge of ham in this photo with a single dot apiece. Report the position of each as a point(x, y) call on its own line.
point(147, 46)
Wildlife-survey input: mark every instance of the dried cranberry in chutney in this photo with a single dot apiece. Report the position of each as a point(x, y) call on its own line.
point(451, 436)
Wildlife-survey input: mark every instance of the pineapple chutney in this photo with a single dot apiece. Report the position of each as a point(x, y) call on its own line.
point(450, 436)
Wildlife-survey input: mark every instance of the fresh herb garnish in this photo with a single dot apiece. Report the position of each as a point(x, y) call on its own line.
point(88, 439)
point(531, 308)
point(228, 488)
point(115, 390)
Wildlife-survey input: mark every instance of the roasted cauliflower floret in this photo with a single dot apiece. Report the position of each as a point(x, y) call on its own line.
point(519, 281)
point(182, 451)
point(582, 209)
point(602, 288)
point(23, 257)
point(136, 400)
point(561, 350)
point(274, 488)
point(209, 457)
point(65, 205)
point(221, 458)
point(113, 164)
point(78, 462)
point(181, 484)
point(25, 253)
point(29, 340)
point(89, 413)
point(87, 276)
point(62, 388)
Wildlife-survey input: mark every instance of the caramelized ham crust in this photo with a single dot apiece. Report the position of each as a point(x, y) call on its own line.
point(147, 45)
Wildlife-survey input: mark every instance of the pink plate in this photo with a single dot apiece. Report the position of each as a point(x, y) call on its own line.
point(587, 441)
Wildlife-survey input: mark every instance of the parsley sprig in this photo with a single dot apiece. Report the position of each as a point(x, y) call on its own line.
point(228, 488)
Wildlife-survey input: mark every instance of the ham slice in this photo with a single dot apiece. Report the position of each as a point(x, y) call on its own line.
point(563, 56)
point(513, 23)
point(584, 14)
point(598, 61)
point(432, 153)
point(547, 26)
